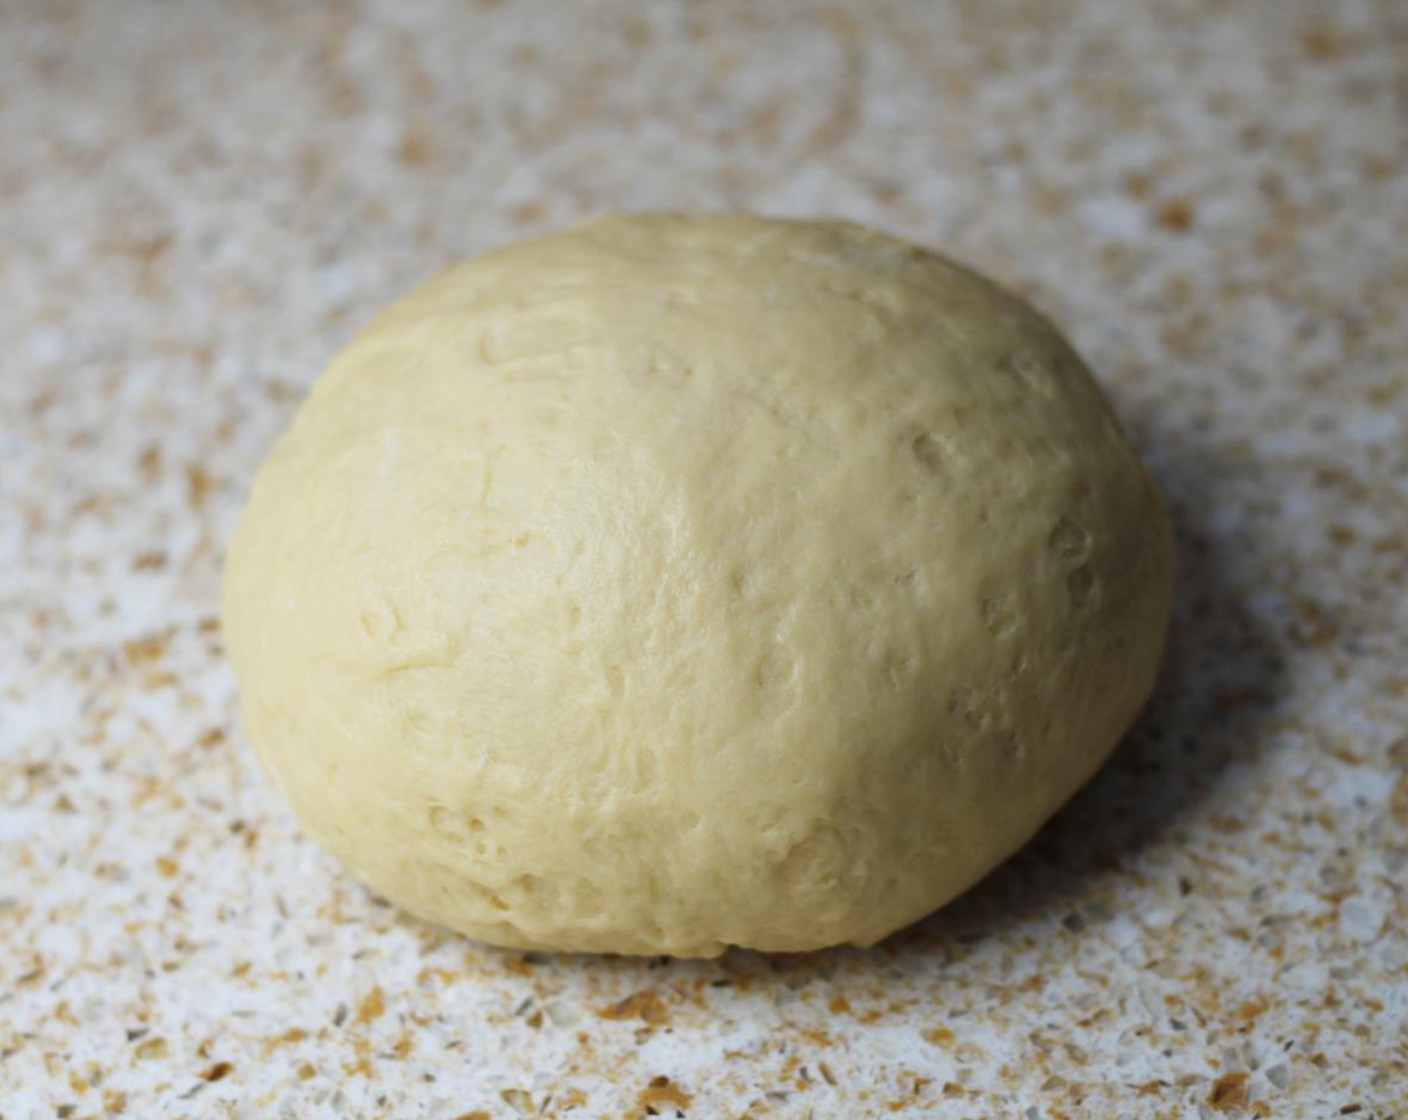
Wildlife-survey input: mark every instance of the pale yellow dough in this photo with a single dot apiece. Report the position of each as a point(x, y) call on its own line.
point(682, 582)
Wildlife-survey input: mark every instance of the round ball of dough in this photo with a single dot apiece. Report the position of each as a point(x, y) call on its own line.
point(679, 582)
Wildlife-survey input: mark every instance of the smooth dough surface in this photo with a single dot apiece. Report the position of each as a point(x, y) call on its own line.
point(679, 582)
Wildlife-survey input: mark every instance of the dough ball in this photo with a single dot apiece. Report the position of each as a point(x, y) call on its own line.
point(679, 582)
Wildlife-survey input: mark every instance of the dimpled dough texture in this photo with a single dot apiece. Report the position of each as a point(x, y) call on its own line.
point(676, 582)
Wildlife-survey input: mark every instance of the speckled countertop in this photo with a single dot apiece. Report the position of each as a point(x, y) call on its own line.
point(199, 202)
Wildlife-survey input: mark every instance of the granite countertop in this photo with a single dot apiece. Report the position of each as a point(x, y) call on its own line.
point(200, 202)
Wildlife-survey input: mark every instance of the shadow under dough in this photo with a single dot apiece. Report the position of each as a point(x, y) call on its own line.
point(1219, 685)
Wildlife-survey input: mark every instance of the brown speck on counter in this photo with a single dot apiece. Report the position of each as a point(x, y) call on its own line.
point(373, 1005)
point(292, 1035)
point(1228, 1092)
point(152, 561)
point(199, 203)
point(145, 650)
point(1175, 215)
point(662, 1097)
point(644, 1005)
point(199, 485)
